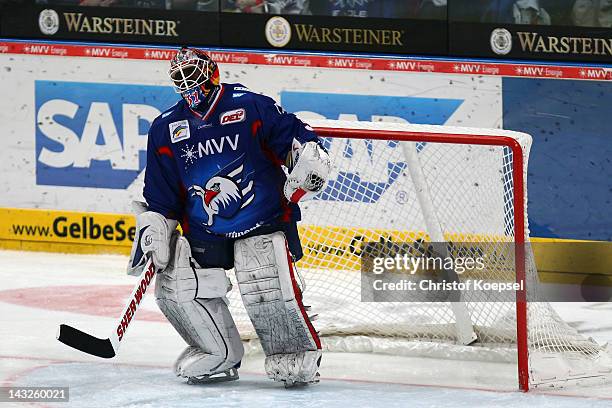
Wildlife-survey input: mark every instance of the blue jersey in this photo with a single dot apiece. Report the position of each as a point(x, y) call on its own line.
point(219, 173)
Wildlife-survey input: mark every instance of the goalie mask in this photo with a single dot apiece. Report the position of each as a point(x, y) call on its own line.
point(194, 75)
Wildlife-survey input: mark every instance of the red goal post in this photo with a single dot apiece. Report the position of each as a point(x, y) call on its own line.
point(468, 136)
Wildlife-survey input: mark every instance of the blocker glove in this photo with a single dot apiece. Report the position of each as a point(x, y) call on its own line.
point(153, 232)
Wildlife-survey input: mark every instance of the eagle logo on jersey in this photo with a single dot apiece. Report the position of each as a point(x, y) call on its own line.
point(225, 193)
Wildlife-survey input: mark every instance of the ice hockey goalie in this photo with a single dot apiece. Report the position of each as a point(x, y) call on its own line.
point(230, 166)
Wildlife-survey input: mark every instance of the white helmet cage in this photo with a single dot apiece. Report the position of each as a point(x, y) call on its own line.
point(188, 70)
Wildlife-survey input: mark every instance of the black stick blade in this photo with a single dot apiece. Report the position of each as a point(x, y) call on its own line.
point(85, 342)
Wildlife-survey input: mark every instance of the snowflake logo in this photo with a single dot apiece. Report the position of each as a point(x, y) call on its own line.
point(189, 154)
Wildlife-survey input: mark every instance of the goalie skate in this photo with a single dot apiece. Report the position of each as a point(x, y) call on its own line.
point(225, 376)
point(294, 369)
point(297, 384)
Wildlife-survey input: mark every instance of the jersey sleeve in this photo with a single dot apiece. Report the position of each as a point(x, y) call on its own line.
point(162, 186)
point(280, 128)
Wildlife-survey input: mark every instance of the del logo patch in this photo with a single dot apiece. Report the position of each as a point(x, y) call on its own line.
point(179, 131)
point(233, 116)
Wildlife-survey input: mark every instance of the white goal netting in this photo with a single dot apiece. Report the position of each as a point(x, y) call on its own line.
point(420, 185)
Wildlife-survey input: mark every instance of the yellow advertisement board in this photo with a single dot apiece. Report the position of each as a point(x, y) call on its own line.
point(325, 247)
point(66, 231)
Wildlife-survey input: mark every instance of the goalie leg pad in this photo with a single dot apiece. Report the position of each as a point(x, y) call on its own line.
point(193, 300)
point(273, 301)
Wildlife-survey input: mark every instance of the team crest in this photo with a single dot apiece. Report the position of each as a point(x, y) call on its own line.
point(225, 193)
point(179, 131)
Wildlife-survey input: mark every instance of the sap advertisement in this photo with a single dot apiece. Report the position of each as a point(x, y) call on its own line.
point(77, 129)
point(94, 134)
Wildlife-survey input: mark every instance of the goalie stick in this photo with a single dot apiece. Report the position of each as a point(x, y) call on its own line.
point(108, 348)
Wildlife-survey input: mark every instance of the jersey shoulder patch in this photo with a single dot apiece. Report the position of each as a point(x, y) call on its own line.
point(179, 130)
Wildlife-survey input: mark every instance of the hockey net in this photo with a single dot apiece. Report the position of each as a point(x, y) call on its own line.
point(414, 184)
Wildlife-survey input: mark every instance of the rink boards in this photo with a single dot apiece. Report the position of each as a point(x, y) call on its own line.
point(325, 247)
point(75, 126)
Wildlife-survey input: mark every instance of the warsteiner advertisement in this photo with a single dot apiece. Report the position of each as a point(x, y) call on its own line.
point(110, 24)
point(335, 34)
point(533, 42)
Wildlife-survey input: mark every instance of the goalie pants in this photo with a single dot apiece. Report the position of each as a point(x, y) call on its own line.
point(220, 254)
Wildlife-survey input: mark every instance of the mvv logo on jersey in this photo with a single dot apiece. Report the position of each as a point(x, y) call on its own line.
point(179, 131)
point(94, 134)
point(191, 153)
point(218, 145)
point(233, 116)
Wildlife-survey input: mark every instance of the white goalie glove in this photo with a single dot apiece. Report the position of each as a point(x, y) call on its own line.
point(309, 166)
point(153, 232)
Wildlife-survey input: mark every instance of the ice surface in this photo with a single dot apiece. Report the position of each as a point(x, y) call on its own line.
point(38, 291)
point(99, 385)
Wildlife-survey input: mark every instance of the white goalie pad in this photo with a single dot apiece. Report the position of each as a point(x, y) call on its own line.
point(273, 300)
point(193, 300)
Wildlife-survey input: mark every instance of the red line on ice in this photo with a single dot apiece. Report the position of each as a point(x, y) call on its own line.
point(98, 300)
